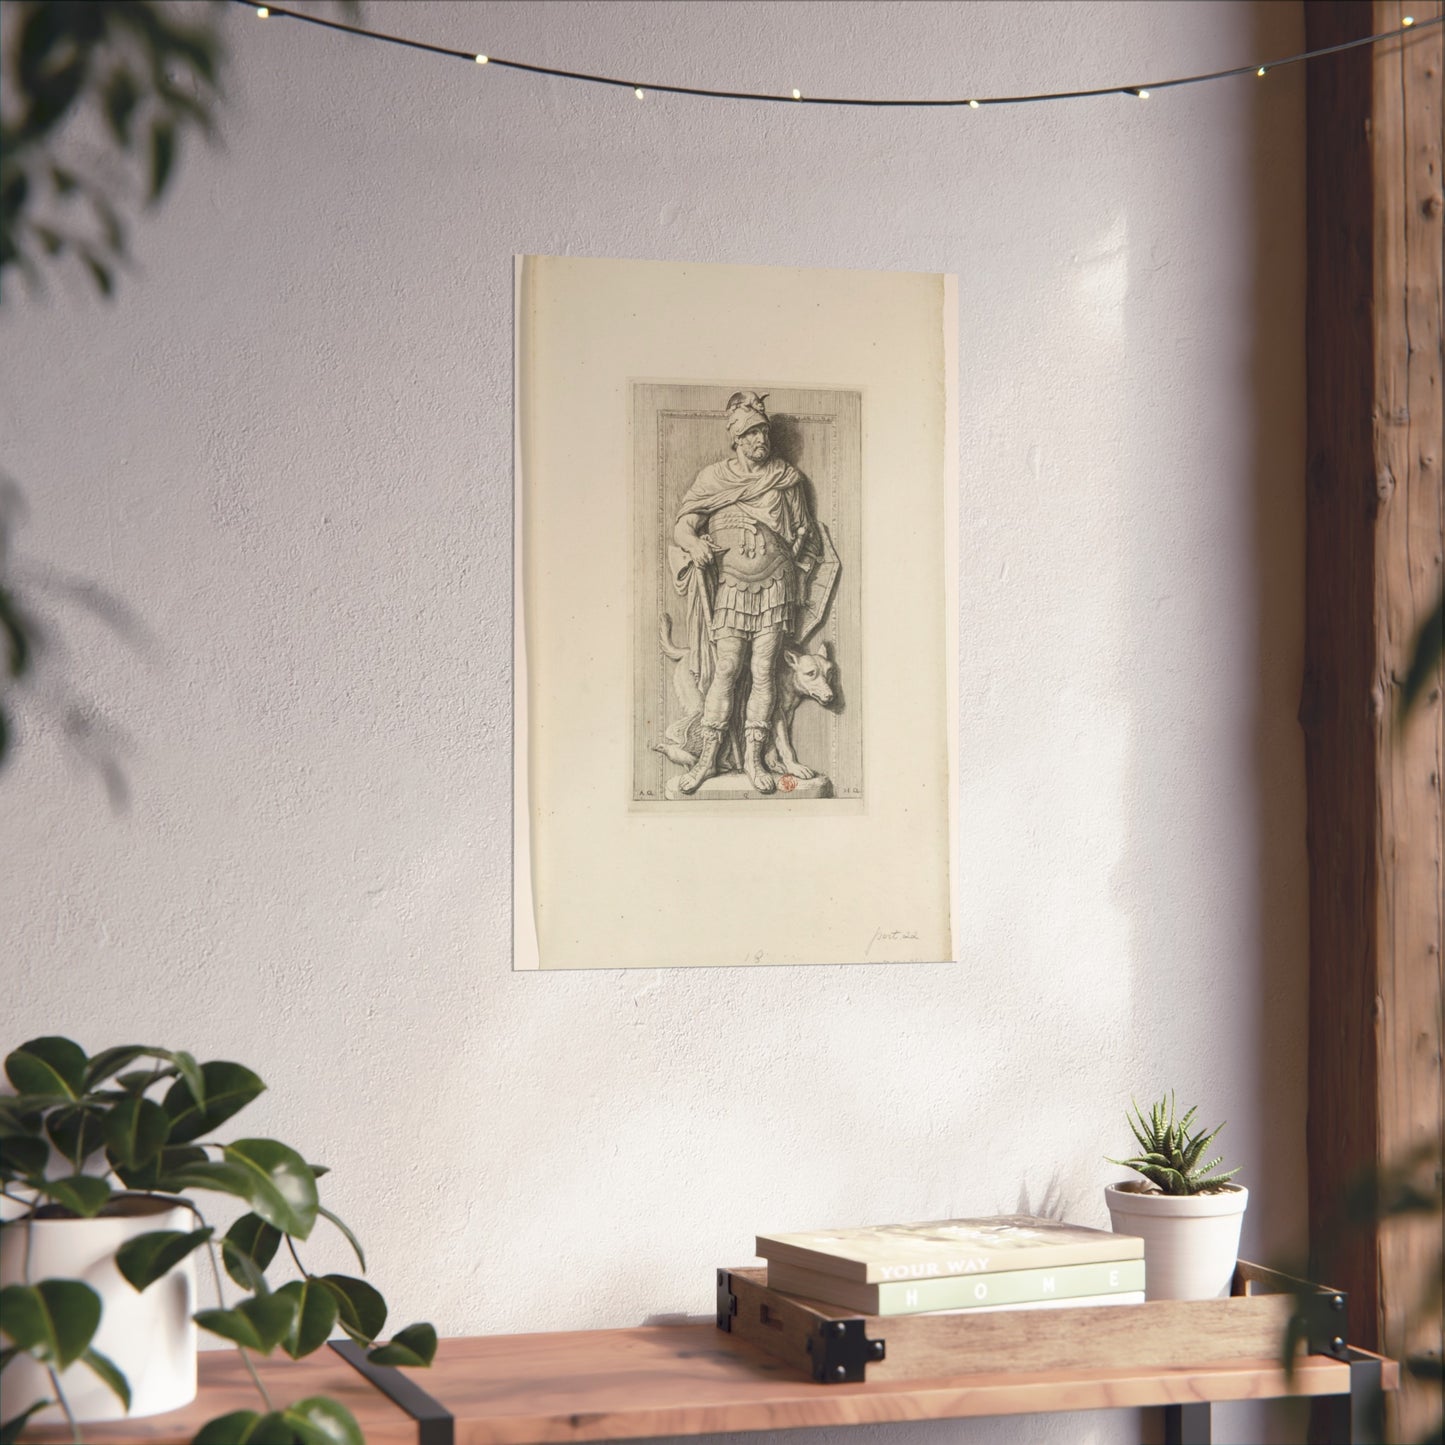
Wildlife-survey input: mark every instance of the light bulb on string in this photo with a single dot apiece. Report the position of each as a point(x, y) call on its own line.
point(1139, 92)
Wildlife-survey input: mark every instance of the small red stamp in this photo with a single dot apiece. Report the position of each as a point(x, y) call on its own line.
point(787, 782)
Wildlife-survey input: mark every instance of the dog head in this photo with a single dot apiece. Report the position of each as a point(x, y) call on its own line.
point(810, 672)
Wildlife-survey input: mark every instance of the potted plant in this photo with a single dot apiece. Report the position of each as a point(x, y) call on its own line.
point(1187, 1213)
point(102, 1230)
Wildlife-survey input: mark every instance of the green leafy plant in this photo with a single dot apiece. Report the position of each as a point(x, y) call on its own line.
point(1171, 1154)
point(82, 1134)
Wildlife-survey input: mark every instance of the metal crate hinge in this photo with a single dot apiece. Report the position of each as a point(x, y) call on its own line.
point(1327, 1323)
point(841, 1352)
point(727, 1301)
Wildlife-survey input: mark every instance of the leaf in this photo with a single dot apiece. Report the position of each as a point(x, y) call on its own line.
point(351, 1239)
point(245, 1427)
point(137, 1081)
point(316, 1311)
point(149, 1257)
point(83, 1194)
point(10, 1431)
point(259, 1323)
point(415, 1345)
point(227, 1089)
point(194, 1075)
point(319, 1421)
point(136, 1130)
point(250, 1241)
point(157, 1174)
point(362, 1310)
point(112, 1061)
point(75, 1130)
point(222, 1178)
point(282, 1188)
point(54, 1320)
point(163, 156)
point(49, 1065)
point(21, 1157)
point(106, 1368)
point(19, 1117)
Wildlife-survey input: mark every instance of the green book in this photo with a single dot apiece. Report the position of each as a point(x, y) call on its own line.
point(960, 1292)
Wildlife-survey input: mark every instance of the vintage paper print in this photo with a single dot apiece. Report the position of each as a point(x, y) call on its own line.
point(748, 558)
point(736, 656)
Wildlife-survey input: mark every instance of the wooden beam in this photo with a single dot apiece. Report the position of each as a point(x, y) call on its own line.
point(1374, 544)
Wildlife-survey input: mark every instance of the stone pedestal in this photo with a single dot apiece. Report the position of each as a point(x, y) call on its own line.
point(730, 787)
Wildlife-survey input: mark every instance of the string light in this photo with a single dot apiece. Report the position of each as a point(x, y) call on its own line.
point(1141, 91)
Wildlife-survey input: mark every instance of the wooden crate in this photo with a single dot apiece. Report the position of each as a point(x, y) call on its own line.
point(836, 1345)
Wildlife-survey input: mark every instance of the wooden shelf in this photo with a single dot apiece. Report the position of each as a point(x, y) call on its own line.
point(689, 1380)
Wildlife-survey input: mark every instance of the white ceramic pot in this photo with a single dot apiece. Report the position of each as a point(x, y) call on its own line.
point(1191, 1241)
point(149, 1336)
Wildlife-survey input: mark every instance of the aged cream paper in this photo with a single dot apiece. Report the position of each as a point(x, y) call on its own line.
point(624, 370)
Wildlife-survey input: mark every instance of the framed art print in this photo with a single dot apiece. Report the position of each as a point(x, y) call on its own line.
point(736, 612)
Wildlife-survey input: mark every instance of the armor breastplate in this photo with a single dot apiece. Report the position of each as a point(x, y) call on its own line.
point(755, 554)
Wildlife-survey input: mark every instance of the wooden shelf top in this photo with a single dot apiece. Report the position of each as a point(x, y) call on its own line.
point(687, 1379)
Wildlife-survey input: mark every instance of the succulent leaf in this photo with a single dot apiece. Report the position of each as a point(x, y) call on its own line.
point(1170, 1150)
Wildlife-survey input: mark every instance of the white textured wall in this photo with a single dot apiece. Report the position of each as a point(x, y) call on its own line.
point(287, 447)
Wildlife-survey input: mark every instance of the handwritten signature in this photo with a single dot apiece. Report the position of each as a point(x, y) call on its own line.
point(891, 935)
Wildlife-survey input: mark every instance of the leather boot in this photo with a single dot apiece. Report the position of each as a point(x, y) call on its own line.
point(758, 775)
point(706, 764)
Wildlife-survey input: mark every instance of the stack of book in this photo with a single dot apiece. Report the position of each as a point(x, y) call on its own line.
point(1013, 1261)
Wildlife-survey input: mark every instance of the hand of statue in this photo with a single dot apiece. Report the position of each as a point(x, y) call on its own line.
point(700, 550)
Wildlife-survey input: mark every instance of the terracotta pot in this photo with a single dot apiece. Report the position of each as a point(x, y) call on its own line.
point(1191, 1241)
point(149, 1336)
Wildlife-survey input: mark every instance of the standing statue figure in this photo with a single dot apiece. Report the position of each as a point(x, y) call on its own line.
point(748, 546)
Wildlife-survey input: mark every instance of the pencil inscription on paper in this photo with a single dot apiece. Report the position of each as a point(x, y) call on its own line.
point(748, 575)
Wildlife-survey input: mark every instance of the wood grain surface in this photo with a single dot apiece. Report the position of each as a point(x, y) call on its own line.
point(1375, 537)
point(689, 1380)
point(226, 1386)
point(695, 1379)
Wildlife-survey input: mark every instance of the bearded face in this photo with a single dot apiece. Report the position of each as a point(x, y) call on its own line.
point(755, 446)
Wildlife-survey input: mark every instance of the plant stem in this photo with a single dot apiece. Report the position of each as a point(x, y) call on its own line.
point(221, 1301)
point(64, 1404)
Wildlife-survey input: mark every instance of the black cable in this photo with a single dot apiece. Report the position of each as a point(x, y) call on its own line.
point(972, 102)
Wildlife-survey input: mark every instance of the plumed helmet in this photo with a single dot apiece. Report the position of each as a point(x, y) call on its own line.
point(744, 411)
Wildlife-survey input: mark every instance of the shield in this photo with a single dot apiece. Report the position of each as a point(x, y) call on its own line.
point(820, 587)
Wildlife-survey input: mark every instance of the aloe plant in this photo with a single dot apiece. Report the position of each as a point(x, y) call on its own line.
point(81, 1131)
point(1170, 1153)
